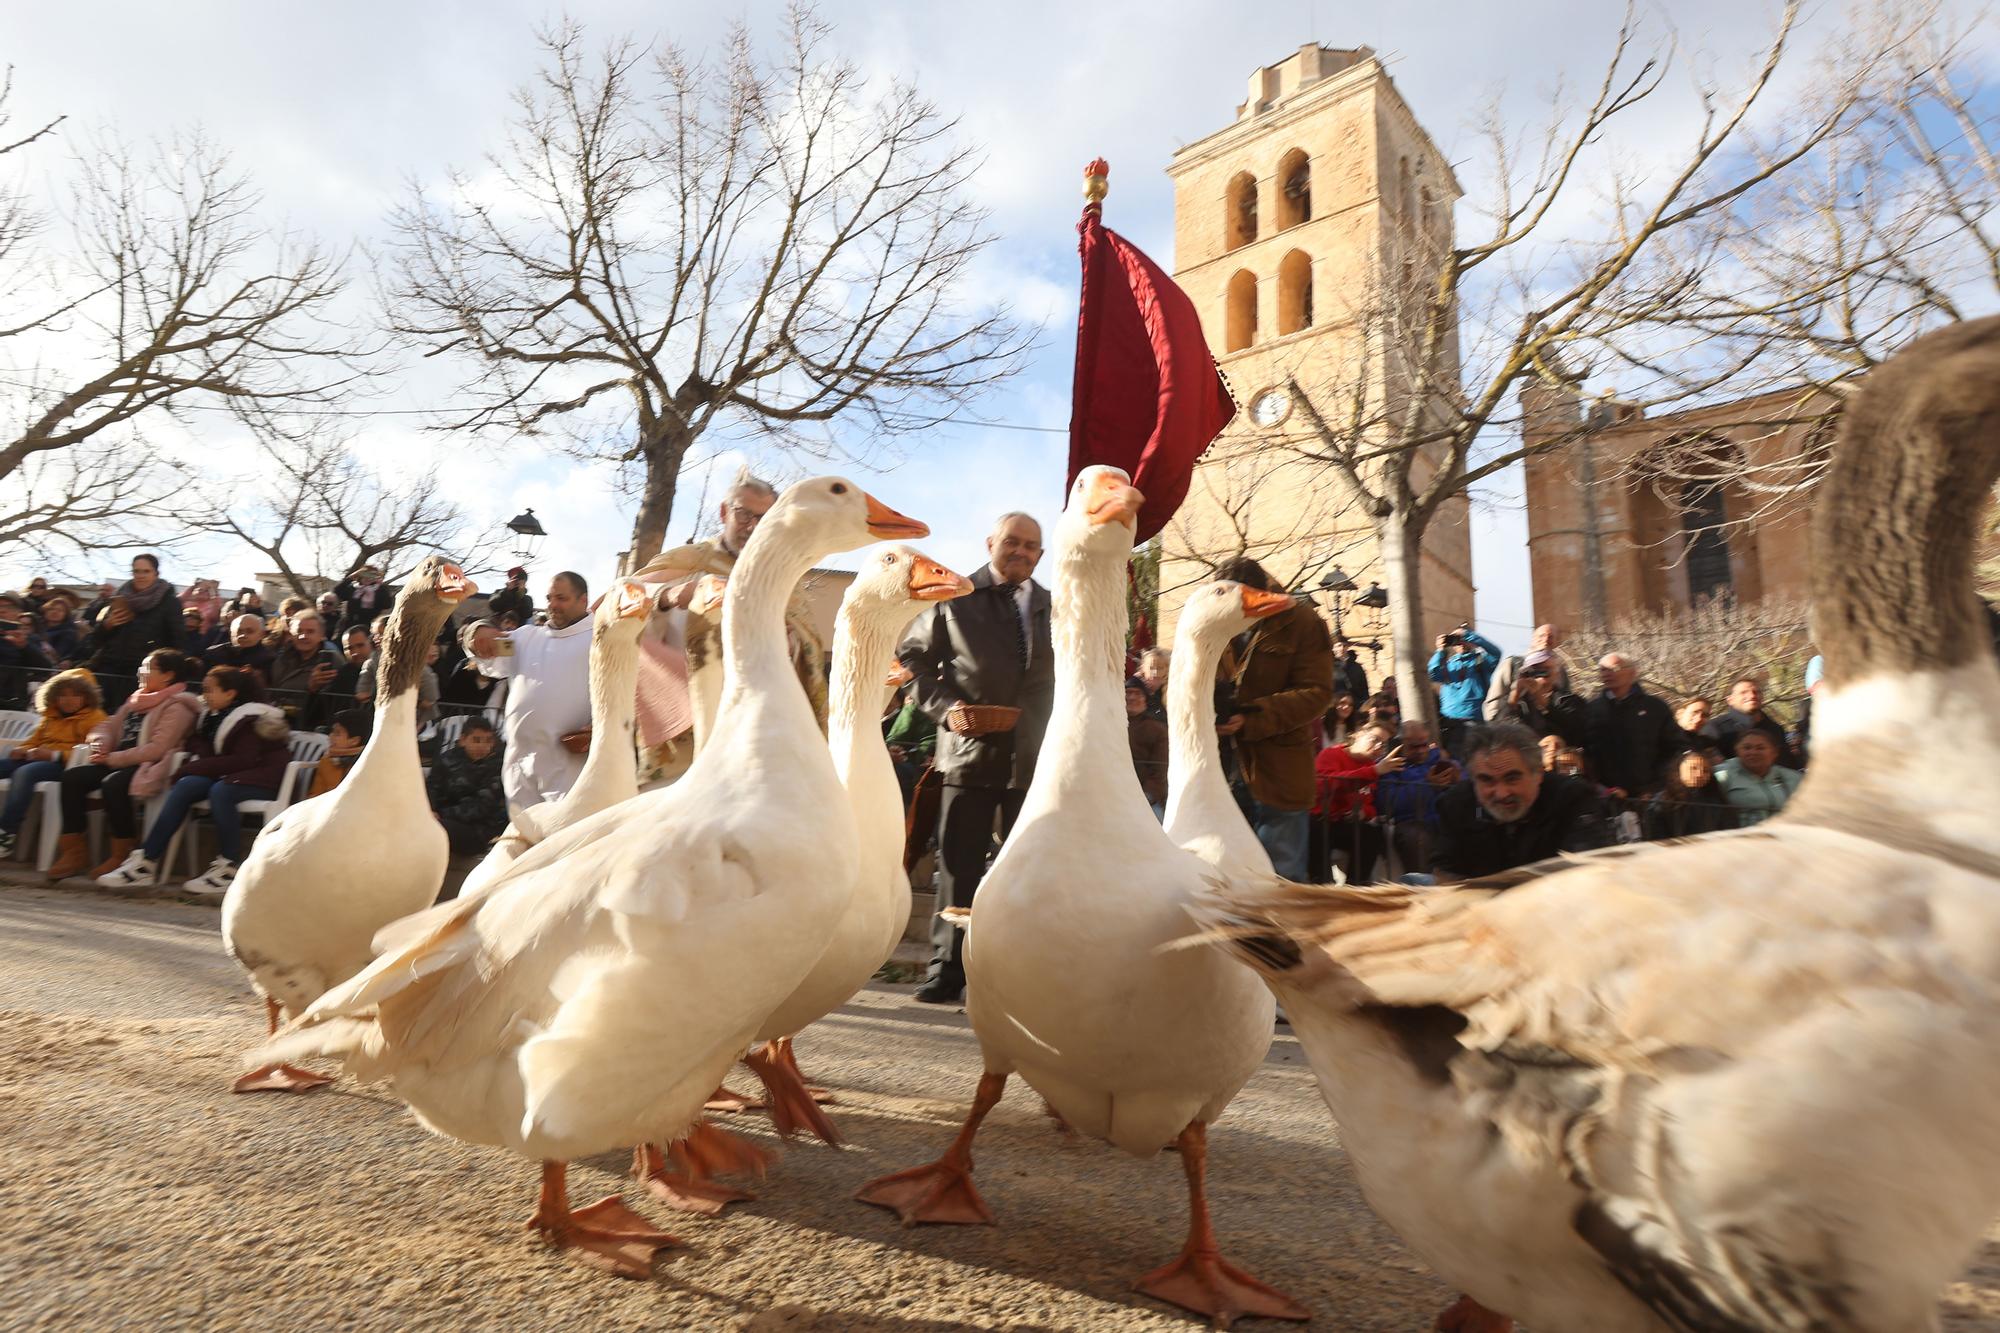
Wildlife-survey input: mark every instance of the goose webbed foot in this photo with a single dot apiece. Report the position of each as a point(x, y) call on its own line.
point(792, 1105)
point(1201, 1279)
point(731, 1103)
point(280, 1078)
point(606, 1235)
point(942, 1191)
point(705, 1153)
point(1469, 1316)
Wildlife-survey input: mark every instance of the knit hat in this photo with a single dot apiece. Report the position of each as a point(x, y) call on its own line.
point(1134, 683)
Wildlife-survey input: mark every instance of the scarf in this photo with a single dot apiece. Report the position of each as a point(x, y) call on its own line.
point(142, 602)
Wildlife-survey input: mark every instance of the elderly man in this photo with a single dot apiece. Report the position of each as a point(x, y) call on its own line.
point(680, 640)
point(245, 648)
point(1547, 639)
point(1283, 677)
point(301, 672)
point(548, 704)
point(993, 648)
point(1509, 812)
point(1631, 735)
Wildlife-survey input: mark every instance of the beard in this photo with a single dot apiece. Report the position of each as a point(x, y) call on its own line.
point(1507, 814)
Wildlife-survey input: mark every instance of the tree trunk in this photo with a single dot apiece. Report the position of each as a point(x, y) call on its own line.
point(1399, 537)
point(656, 500)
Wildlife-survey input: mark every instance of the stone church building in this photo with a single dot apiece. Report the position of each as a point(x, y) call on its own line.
point(1285, 222)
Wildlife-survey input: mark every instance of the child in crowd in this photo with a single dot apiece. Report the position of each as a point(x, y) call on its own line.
point(464, 789)
point(70, 704)
point(346, 737)
point(1148, 737)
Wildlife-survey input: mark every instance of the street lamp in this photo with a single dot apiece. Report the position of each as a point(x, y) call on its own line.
point(1339, 588)
point(528, 536)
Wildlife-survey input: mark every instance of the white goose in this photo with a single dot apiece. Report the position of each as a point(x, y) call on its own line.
point(327, 873)
point(1743, 1082)
point(878, 606)
point(1202, 816)
point(591, 997)
point(610, 770)
point(1067, 984)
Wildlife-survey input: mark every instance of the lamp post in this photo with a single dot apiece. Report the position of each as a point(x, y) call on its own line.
point(1340, 592)
point(528, 536)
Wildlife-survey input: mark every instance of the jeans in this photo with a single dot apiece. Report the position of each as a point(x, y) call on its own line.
point(222, 795)
point(26, 774)
point(1286, 835)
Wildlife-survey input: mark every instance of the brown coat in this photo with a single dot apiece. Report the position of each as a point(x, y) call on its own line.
point(1149, 756)
point(1285, 675)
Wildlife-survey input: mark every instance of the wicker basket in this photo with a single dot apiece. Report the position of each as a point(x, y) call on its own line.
point(985, 719)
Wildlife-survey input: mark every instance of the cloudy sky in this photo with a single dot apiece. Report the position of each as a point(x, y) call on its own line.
point(334, 108)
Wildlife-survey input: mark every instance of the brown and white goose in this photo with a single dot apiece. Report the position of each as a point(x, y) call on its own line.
point(328, 873)
point(1743, 1082)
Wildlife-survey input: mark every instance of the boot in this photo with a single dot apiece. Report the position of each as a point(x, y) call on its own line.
point(120, 849)
point(72, 855)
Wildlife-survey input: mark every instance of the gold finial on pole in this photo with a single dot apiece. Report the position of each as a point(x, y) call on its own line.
point(1096, 182)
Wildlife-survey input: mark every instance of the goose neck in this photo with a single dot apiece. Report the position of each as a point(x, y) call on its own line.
point(1089, 732)
point(863, 651)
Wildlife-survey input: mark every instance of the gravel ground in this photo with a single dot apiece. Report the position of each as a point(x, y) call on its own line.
point(138, 1193)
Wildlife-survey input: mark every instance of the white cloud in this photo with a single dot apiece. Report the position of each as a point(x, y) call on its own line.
point(333, 108)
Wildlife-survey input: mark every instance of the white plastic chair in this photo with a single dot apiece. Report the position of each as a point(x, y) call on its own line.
point(15, 726)
point(308, 748)
point(49, 831)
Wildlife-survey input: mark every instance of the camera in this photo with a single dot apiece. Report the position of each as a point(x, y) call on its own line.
point(1535, 673)
point(1455, 639)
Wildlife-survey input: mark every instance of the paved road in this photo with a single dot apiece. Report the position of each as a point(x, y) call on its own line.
point(137, 1193)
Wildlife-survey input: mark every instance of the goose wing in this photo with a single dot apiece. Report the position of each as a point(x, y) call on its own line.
point(1700, 1048)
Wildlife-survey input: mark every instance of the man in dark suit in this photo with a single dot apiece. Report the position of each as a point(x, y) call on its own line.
point(991, 647)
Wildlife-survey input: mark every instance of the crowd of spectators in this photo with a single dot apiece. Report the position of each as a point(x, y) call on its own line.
point(182, 700)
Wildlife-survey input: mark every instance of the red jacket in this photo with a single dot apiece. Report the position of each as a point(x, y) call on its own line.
point(1346, 785)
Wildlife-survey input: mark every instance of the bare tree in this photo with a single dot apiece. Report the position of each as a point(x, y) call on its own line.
point(664, 247)
point(1261, 503)
point(164, 290)
point(1420, 417)
point(1874, 236)
point(313, 509)
point(1698, 653)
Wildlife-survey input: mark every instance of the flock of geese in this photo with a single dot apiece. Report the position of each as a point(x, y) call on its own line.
point(1743, 1082)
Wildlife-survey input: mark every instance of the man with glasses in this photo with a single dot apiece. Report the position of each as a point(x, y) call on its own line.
point(665, 716)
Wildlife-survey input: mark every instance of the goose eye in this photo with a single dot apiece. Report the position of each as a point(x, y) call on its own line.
point(889, 558)
point(839, 488)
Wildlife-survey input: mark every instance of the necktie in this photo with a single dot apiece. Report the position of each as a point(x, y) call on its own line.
point(1007, 594)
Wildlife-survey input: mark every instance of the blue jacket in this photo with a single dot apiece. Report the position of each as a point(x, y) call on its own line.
point(1407, 796)
point(1464, 677)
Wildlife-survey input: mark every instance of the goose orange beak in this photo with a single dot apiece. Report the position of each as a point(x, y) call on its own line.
point(453, 586)
point(886, 523)
point(1258, 604)
point(1113, 501)
point(932, 582)
point(635, 599)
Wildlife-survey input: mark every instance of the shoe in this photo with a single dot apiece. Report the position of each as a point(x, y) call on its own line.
point(120, 849)
point(938, 990)
point(72, 855)
point(7, 843)
point(214, 881)
point(135, 870)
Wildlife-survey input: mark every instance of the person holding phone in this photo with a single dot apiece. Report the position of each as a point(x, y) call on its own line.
point(302, 670)
point(1345, 812)
point(1537, 701)
point(1462, 667)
